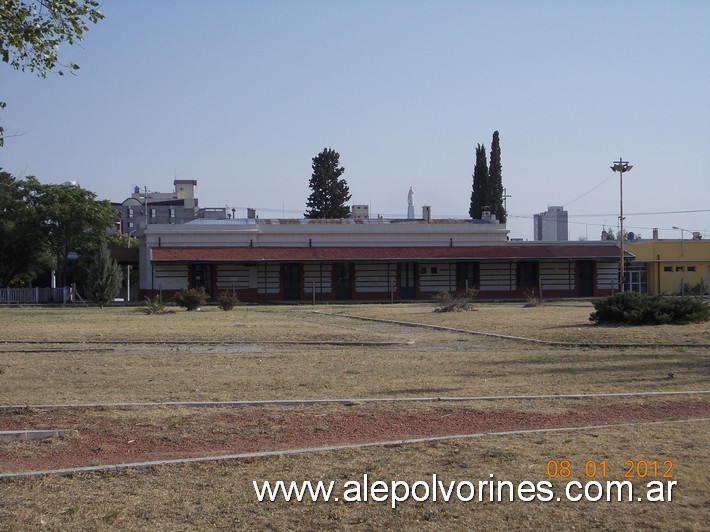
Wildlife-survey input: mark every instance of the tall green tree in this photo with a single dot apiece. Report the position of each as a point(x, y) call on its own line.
point(104, 278)
point(70, 219)
point(329, 191)
point(495, 199)
point(480, 184)
point(22, 250)
point(31, 32)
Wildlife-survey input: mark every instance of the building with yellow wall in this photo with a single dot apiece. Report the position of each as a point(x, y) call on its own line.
point(669, 266)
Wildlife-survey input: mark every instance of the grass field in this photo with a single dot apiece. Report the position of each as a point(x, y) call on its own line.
point(89, 355)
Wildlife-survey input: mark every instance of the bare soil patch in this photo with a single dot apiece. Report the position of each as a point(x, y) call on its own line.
point(135, 435)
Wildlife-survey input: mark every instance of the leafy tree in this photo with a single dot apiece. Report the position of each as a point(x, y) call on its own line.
point(70, 220)
point(480, 184)
point(42, 224)
point(329, 192)
point(31, 32)
point(495, 181)
point(104, 278)
point(22, 251)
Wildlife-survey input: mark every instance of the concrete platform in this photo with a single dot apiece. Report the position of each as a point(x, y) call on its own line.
point(21, 435)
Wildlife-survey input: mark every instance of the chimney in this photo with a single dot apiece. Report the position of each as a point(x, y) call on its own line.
point(655, 233)
point(426, 213)
point(251, 213)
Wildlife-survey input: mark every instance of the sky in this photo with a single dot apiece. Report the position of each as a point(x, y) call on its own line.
point(241, 95)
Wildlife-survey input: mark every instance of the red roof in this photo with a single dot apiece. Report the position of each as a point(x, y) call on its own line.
point(512, 251)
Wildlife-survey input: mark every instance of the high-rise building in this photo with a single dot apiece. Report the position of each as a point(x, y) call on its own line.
point(552, 225)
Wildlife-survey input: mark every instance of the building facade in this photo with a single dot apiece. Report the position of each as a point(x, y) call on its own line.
point(669, 266)
point(368, 260)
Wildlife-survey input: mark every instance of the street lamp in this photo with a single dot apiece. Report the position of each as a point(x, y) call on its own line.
point(128, 270)
point(681, 238)
point(621, 166)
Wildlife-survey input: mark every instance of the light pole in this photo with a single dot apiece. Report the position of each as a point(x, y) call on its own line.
point(681, 238)
point(128, 270)
point(621, 166)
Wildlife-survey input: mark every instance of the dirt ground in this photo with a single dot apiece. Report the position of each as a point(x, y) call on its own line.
point(85, 355)
point(147, 434)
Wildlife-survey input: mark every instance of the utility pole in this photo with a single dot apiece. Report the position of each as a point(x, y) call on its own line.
point(145, 203)
point(505, 199)
point(621, 166)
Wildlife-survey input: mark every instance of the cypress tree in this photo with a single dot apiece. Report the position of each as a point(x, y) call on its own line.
point(480, 184)
point(103, 281)
point(329, 192)
point(495, 182)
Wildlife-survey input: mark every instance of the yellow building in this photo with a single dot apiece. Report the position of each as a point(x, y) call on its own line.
point(669, 266)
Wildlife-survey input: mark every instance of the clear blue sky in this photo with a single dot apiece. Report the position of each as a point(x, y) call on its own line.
point(241, 95)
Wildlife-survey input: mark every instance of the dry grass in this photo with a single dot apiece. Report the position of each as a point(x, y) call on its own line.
point(566, 321)
point(419, 362)
point(422, 362)
point(221, 496)
point(557, 321)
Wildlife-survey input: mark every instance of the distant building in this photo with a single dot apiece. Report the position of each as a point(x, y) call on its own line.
point(148, 207)
point(368, 259)
point(552, 225)
point(360, 211)
point(669, 266)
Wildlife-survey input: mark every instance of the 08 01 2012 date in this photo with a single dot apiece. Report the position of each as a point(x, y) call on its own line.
point(640, 468)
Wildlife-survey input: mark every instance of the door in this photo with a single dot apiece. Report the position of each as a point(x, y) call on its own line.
point(467, 275)
point(291, 275)
point(202, 277)
point(637, 281)
point(407, 280)
point(586, 278)
point(343, 281)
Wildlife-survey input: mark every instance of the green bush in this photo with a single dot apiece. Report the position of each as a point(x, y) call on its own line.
point(191, 299)
point(227, 300)
point(632, 308)
point(154, 306)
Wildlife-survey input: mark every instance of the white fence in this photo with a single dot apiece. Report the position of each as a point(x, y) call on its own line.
point(9, 296)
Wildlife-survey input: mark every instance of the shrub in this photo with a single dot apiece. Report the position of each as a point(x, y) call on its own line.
point(453, 302)
point(191, 299)
point(154, 306)
point(227, 300)
point(632, 308)
point(533, 300)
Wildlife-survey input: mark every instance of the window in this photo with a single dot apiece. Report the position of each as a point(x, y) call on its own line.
point(691, 268)
point(153, 213)
point(130, 225)
point(172, 212)
point(679, 268)
point(422, 269)
point(434, 269)
point(130, 213)
point(668, 268)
